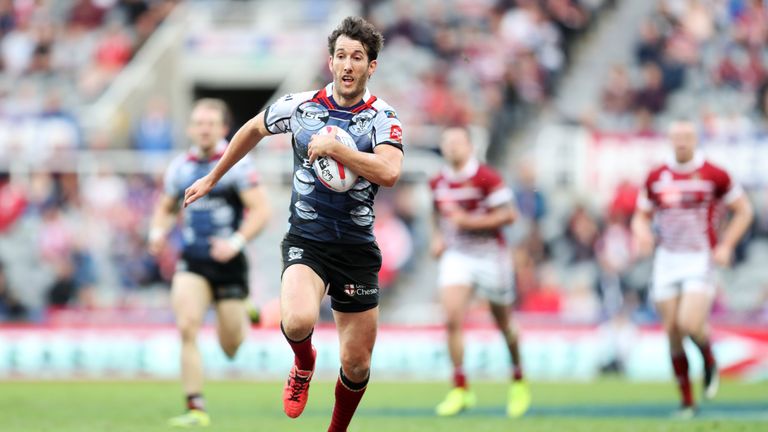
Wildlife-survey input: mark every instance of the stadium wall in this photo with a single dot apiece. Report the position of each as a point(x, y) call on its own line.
point(550, 353)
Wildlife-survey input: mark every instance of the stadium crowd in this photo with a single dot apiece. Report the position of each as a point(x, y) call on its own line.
point(83, 233)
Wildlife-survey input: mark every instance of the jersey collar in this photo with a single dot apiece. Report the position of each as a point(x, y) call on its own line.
point(196, 155)
point(465, 173)
point(329, 94)
point(692, 165)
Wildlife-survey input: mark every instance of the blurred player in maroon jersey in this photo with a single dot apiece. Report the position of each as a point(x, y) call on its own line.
point(682, 198)
point(472, 205)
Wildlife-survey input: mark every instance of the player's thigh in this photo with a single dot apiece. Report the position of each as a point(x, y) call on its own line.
point(301, 292)
point(455, 283)
point(190, 298)
point(493, 276)
point(357, 336)
point(667, 309)
point(231, 320)
point(695, 307)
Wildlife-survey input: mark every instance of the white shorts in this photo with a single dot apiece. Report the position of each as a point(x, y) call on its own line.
point(677, 272)
point(488, 273)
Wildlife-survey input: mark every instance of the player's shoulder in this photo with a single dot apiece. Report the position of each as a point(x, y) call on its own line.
point(713, 169)
point(384, 109)
point(656, 171)
point(297, 98)
point(435, 179)
point(178, 161)
point(486, 174)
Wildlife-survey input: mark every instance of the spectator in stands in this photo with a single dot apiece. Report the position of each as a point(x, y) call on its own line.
point(10, 307)
point(580, 235)
point(154, 129)
point(651, 96)
point(617, 94)
point(87, 14)
point(650, 45)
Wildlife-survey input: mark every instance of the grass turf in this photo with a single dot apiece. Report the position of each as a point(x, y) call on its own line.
point(615, 406)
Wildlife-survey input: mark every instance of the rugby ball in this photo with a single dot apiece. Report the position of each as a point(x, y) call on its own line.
point(331, 173)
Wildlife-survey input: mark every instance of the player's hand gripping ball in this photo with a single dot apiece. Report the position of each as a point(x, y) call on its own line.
point(334, 175)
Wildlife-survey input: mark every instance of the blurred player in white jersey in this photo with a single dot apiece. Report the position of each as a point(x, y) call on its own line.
point(682, 197)
point(472, 205)
point(212, 268)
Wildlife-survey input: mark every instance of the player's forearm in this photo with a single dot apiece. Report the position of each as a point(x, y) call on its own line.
point(375, 168)
point(640, 224)
point(254, 222)
point(494, 220)
point(738, 225)
point(243, 142)
point(163, 218)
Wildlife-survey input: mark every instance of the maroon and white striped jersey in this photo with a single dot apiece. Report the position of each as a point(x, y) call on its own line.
point(685, 198)
point(477, 189)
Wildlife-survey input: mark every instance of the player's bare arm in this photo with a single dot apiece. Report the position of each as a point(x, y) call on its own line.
point(257, 213)
point(642, 234)
point(163, 218)
point(736, 228)
point(437, 246)
point(496, 218)
point(382, 167)
point(243, 142)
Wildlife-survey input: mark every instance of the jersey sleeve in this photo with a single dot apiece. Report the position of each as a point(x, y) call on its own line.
point(726, 189)
point(246, 176)
point(496, 191)
point(387, 129)
point(277, 117)
point(644, 197)
point(170, 179)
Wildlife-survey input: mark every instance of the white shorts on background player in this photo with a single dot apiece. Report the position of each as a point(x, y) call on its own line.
point(489, 273)
point(675, 273)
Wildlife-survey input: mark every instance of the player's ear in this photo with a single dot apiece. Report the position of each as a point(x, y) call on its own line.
point(372, 68)
point(330, 64)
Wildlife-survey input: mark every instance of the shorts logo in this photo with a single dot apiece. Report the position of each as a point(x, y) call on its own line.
point(359, 290)
point(295, 253)
point(396, 133)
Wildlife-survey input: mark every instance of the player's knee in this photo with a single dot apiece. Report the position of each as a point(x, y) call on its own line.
point(231, 346)
point(453, 323)
point(188, 327)
point(297, 327)
point(687, 328)
point(356, 365)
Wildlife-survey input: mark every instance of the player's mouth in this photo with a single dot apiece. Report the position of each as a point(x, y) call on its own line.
point(347, 79)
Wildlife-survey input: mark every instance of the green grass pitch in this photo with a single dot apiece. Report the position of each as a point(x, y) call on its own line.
point(601, 406)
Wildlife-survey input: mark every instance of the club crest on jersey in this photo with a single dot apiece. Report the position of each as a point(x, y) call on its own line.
point(310, 116)
point(362, 123)
point(295, 253)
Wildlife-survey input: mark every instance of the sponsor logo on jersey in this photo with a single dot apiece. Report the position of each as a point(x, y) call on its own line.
point(295, 253)
point(311, 116)
point(396, 133)
point(390, 114)
point(353, 290)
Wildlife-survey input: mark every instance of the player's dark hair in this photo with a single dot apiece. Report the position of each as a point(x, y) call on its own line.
point(360, 30)
point(216, 104)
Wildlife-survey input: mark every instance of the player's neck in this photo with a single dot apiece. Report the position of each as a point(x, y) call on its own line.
point(346, 103)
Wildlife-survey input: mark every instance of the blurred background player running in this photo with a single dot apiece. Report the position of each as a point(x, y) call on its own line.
point(472, 205)
point(212, 268)
point(682, 196)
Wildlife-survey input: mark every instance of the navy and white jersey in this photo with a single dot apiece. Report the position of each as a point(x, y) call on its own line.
point(319, 213)
point(217, 214)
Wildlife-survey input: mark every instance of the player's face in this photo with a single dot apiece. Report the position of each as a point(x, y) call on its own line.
point(206, 127)
point(456, 146)
point(683, 138)
point(351, 69)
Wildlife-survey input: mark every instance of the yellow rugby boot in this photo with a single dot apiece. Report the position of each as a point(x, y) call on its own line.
point(518, 399)
point(191, 418)
point(457, 400)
